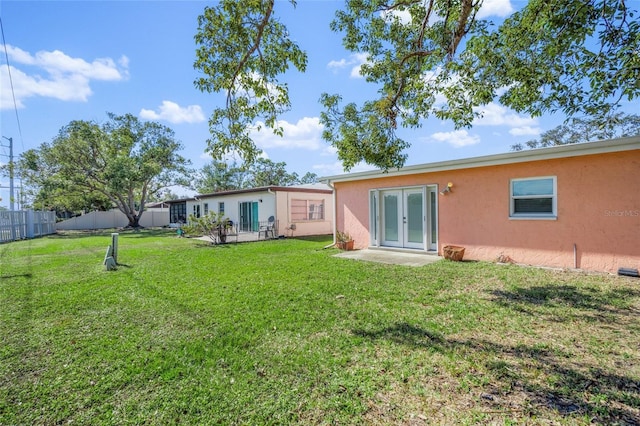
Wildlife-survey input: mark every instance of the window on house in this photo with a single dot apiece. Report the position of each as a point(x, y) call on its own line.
point(534, 197)
point(205, 209)
point(302, 210)
point(178, 212)
point(221, 207)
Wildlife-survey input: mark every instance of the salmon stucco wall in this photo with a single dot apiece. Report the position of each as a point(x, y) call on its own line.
point(308, 227)
point(598, 212)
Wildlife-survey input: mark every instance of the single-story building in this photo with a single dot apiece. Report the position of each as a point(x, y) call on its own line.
point(295, 210)
point(572, 206)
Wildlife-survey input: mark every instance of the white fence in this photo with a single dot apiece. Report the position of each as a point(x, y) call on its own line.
point(114, 219)
point(22, 224)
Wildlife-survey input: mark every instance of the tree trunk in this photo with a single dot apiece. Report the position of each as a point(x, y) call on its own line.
point(134, 221)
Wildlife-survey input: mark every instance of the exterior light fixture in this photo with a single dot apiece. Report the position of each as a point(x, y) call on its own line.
point(447, 189)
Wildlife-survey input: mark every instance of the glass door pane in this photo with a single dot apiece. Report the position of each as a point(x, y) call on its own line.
point(391, 220)
point(433, 220)
point(373, 218)
point(245, 216)
point(414, 211)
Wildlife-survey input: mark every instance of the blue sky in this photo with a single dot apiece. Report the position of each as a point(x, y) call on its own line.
point(77, 60)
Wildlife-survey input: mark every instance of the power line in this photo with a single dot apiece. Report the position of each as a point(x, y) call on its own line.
point(13, 93)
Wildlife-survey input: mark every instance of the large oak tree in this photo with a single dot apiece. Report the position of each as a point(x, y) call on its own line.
point(123, 160)
point(585, 129)
point(426, 58)
point(220, 176)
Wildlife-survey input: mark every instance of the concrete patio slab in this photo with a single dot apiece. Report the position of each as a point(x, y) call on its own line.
point(391, 257)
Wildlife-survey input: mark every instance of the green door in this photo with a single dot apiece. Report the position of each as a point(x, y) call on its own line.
point(255, 226)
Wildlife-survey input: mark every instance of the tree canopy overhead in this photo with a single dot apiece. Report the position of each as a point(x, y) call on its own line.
point(123, 161)
point(427, 58)
point(586, 129)
point(242, 49)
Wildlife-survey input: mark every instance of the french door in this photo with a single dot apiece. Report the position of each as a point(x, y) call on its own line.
point(407, 218)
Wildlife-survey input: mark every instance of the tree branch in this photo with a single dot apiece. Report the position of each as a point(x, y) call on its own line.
point(252, 49)
point(461, 29)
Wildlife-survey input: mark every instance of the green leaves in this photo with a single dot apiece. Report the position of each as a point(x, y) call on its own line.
point(123, 161)
point(220, 176)
point(436, 58)
point(586, 129)
point(242, 50)
point(409, 46)
point(426, 58)
point(574, 56)
point(362, 135)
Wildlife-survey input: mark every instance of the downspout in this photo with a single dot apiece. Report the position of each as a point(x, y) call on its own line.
point(335, 210)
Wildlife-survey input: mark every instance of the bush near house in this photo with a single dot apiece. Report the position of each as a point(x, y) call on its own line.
point(213, 225)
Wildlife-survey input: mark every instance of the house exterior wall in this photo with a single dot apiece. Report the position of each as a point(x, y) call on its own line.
point(308, 227)
point(598, 211)
point(275, 203)
point(266, 204)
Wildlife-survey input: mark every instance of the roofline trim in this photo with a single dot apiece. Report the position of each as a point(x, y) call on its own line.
point(250, 190)
point(555, 152)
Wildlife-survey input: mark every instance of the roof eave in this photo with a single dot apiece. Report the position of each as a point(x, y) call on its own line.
point(564, 151)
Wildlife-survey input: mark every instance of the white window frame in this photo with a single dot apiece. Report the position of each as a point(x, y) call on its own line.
point(553, 215)
point(310, 215)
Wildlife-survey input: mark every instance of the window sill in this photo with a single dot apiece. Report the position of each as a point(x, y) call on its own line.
point(533, 217)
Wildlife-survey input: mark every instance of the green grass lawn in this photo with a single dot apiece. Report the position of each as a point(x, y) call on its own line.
point(281, 332)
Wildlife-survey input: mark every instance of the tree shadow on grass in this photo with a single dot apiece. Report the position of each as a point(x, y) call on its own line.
point(205, 244)
point(595, 304)
point(406, 334)
point(27, 275)
point(126, 233)
point(546, 378)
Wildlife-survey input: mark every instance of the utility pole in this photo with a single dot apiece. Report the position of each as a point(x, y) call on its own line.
point(11, 206)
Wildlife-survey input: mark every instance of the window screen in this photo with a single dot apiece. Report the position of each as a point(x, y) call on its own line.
point(533, 197)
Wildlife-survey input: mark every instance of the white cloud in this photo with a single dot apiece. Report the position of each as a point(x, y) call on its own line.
point(336, 168)
point(65, 88)
point(305, 134)
point(497, 115)
point(355, 61)
point(501, 8)
point(404, 16)
point(174, 113)
point(525, 131)
point(255, 79)
point(328, 169)
point(337, 64)
point(231, 157)
point(67, 79)
point(457, 138)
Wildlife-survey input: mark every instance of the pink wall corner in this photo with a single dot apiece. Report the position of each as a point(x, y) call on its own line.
point(352, 213)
